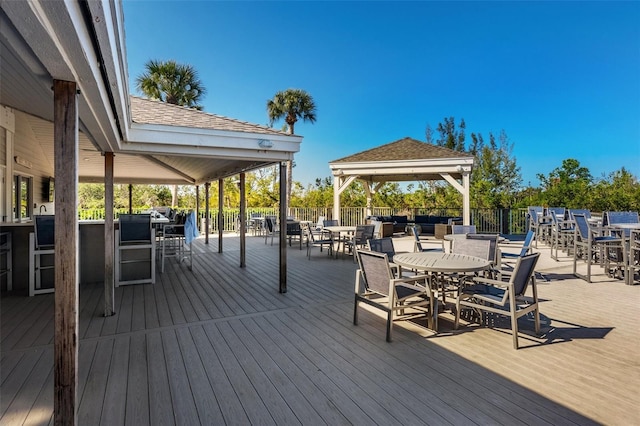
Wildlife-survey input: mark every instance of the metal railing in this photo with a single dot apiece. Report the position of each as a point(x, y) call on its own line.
point(503, 221)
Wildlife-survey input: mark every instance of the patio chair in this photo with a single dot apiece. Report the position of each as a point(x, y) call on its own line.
point(294, 230)
point(484, 248)
point(385, 245)
point(417, 243)
point(592, 245)
point(135, 238)
point(177, 239)
point(561, 234)
point(634, 256)
point(509, 258)
point(271, 228)
point(400, 298)
point(539, 223)
point(359, 240)
point(318, 240)
point(504, 298)
point(41, 243)
point(463, 229)
point(585, 212)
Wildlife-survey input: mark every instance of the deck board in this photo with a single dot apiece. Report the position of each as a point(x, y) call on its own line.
point(219, 345)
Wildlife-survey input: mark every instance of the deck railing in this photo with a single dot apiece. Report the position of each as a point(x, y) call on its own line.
point(503, 221)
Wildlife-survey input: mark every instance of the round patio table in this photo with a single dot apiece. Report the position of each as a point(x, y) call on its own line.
point(437, 264)
point(441, 262)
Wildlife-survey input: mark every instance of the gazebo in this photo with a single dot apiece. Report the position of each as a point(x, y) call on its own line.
point(404, 160)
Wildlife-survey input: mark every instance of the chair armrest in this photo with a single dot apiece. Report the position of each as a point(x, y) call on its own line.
point(489, 281)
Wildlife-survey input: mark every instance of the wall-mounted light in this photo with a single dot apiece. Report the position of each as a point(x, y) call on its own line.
point(265, 143)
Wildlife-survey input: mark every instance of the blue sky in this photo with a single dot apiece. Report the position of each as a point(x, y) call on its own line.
point(562, 79)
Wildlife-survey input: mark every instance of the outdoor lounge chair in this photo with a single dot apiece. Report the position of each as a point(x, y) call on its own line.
point(376, 286)
point(504, 298)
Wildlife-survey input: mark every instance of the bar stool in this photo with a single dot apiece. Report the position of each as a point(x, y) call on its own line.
point(135, 239)
point(41, 243)
point(6, 266)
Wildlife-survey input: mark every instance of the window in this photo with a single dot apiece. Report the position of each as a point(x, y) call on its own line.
point(22, 197)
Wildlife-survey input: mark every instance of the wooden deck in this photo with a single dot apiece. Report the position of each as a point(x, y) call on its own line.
point(220, 345)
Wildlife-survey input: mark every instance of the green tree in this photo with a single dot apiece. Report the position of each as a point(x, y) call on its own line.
point(496, 177)
point(171, 82)
point(291, 105)
point(449, 136)
point(619, 191)
point(566, 186)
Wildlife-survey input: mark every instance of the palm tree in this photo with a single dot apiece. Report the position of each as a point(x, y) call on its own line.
point(291, 105)
point(172, 83)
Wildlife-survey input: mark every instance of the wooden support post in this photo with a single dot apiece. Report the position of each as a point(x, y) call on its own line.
point(283, 228)
point(109, 236)
point(206, 212)
point(220, 215)
point(198, 207)
point(243, 222)
point(65, 344)
point(130, 199)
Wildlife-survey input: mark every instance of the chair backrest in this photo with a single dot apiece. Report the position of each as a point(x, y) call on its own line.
point(534, 212)
point(382, 245)
point(376, 228)
point(135, 228)
point(375, 271)
point(554, 217)
point(559, 211)
point(463, 229)
point(526, 245)
point(612, 218)
point(523, 272)
point(293, 228)
point(331, 222)
point(493, 244)
point(270, 221)
point(414, 232)
point(585, 212)
point(320, 223)
point(44, 230)
point(473, 247)
point(582, 226)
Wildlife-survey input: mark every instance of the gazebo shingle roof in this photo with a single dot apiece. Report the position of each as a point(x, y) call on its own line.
point(403, 149)
point(146, 111)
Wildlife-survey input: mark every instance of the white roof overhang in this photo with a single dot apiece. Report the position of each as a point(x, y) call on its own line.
point(83, 41)
point(404, 170)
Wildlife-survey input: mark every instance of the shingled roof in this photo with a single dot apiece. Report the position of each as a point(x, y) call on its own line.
point(403, 149)
point(147, 111)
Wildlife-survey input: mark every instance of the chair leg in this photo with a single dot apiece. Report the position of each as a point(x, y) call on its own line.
point(355, 312)
point(389, 324)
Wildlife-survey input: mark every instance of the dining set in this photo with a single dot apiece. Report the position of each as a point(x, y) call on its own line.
point(467, 277)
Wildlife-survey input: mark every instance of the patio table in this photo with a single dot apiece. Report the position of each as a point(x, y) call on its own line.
point(339, 231)
point(440, 263)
